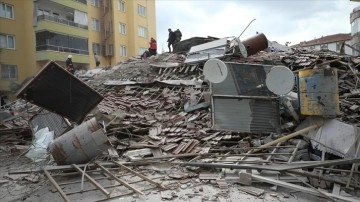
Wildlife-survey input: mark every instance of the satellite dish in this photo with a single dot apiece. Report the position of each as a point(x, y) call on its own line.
point(280, 80)
point(215, 70)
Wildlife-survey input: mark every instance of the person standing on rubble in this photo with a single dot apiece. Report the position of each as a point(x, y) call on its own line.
point(178, 36)
point(153, 47)
point(171, 40)
point(70, 65)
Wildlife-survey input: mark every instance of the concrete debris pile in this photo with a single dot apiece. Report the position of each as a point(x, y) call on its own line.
point(214, 121)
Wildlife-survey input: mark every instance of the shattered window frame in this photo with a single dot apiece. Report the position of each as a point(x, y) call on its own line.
point(121, 6)
point(95, 24)
point(6, 11)
point(8, 72)
point(6, 43)
point(122, 28)
point(123, 51)
point(141, 10)
point(142, 31)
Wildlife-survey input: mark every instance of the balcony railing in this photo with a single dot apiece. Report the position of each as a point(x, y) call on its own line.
point(81, 1)
point(61, 49)
point(61, 20)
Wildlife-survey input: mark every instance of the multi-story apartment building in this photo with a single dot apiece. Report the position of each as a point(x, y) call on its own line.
point(32, 32)
point(355, 30)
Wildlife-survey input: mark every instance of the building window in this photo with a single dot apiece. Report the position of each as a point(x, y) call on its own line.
point(95, 3)
point(7, 41)
point(338, 45)
point(121, 6)
point(41, 11)
point(355, 27)
point(355, 52)
point(141, 10)
point(8, 72)
point(95, 24)
point(6, 11)
point(110, 27)
point(324, 47)
point(122, 28)
point(97, 48)
point(142, 50)
point(142, 31)
point(46, 40)
point(110, 50)
point(123, 51)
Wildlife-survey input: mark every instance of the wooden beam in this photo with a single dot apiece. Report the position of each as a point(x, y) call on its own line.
point(292, 135)
point(96, 184)
point(57, 187)
point(139, 175)
point(118, 179)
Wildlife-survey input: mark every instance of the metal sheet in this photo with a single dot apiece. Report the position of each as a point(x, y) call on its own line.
point(333, 136)
point(80, 145)
point(203, 52)
point(319, 94)
point(56, 90)
point(245, 115)
point(51, 120)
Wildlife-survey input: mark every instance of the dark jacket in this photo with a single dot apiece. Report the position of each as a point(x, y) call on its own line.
point(172, 37)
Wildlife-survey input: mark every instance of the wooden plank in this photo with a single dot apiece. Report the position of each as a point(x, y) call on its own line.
point(139, 175)
point(96, 184)
point(118, 179)
point(58, 188)
point(292, 135)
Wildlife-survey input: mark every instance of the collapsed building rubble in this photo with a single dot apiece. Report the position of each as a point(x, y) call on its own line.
point(163, 111)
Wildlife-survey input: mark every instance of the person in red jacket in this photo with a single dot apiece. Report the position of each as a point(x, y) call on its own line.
point(153, 47)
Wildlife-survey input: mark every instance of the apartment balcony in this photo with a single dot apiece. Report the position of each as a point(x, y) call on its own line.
point(48, 52)
point(80, 5)
point(61, 21)
point(49, 23)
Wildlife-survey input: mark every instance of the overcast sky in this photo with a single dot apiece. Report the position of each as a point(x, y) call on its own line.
point(279, 20)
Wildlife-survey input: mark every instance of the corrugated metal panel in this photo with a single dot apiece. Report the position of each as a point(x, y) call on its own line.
point(202, 52)
point(56, 90)
point(245, 115)
point(51, 120)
